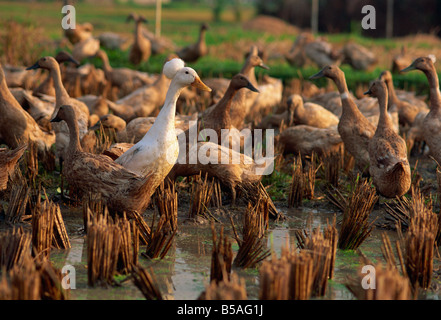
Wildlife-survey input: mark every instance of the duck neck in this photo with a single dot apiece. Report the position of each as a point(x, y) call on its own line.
point(106, 64)
point(393, 99)
point(60, 92)
point(435, 95)
point(248, 71)
point(224, 105)
point(384, 120)
point(138, 31)
point(201, 38)
point(74, 136)
point(165, 121)
point(348, 105)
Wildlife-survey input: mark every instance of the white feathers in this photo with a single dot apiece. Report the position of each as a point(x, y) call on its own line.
point(432, 57)
point(172, 67)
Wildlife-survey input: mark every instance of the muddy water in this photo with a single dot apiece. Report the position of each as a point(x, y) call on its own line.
point(185, 271)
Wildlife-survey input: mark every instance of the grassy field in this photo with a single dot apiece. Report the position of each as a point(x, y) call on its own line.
point(227, 39)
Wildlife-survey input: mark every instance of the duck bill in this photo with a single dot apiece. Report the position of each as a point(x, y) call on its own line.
point(197, 83)
point(318, 75)
point(264, 66)
point(71, 59)
point(368, 93)
point(56, 119)
point(35, 66)
point(409, 68)
point(251, 87)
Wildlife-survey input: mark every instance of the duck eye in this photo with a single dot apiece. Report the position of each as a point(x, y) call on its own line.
point(186, 72)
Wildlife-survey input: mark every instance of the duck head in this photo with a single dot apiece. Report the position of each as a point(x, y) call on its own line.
point(377, 88)
point(64, 56)
point(254, 59)
point(183, 76)
point(385, 76)
point(239, 81)
point(293, 102)
point(204, 27)
point(132, 16)
point(331, 71)
point(187, 76)
point(44, 63)
point(422, 63)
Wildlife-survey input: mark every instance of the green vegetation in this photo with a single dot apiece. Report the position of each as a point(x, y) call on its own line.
point(227, 39)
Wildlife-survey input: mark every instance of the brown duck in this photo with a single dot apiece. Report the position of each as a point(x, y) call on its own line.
point(17, 126)
point(47, 86)
point(389, 166)
point(219, 118)
point(355, 130)
point(125, 79)
point(121, 189)
point(141, 49)
point(432, 122)
point(406, 111)
point(244, 99)
point(62, 98)
point(193, 52)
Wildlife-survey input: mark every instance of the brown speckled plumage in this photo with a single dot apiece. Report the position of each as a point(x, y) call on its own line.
point(354, 129)
point(121, 189)
point(389, 166)
point(432, 122)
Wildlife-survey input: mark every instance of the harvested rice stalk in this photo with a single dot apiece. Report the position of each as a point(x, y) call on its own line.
point(226, 289)
point(146, 282)
point(145, 232)
point(252, 247)
point(201, 196)
point(310, 177)
point(297, 190)
point(15, 246)
point(389, 285)
point(216, 197)
point(103, 247)
point(355, 227)
point(419, 243)
point(166, 203)
point(129, 248)
point(331, 233)
point(21, 282)
point(60, 239)
point(322, 246)
point(43, 228)
point(221, 256)
point(17, 202)
point(160, 240)
point(332, 165)
point(399, 211)
point(288, 278)
point(51, 279)
point(252, 193)
point(92, 206)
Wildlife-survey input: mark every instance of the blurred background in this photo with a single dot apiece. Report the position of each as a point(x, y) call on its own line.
point(30, 29)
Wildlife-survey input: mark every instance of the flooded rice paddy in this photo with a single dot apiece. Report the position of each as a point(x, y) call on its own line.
point(185, 271)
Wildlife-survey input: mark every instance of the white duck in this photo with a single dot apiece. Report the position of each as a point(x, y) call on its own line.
point(158, 150)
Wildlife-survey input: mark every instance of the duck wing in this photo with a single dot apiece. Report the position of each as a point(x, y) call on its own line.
point(98, 173)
